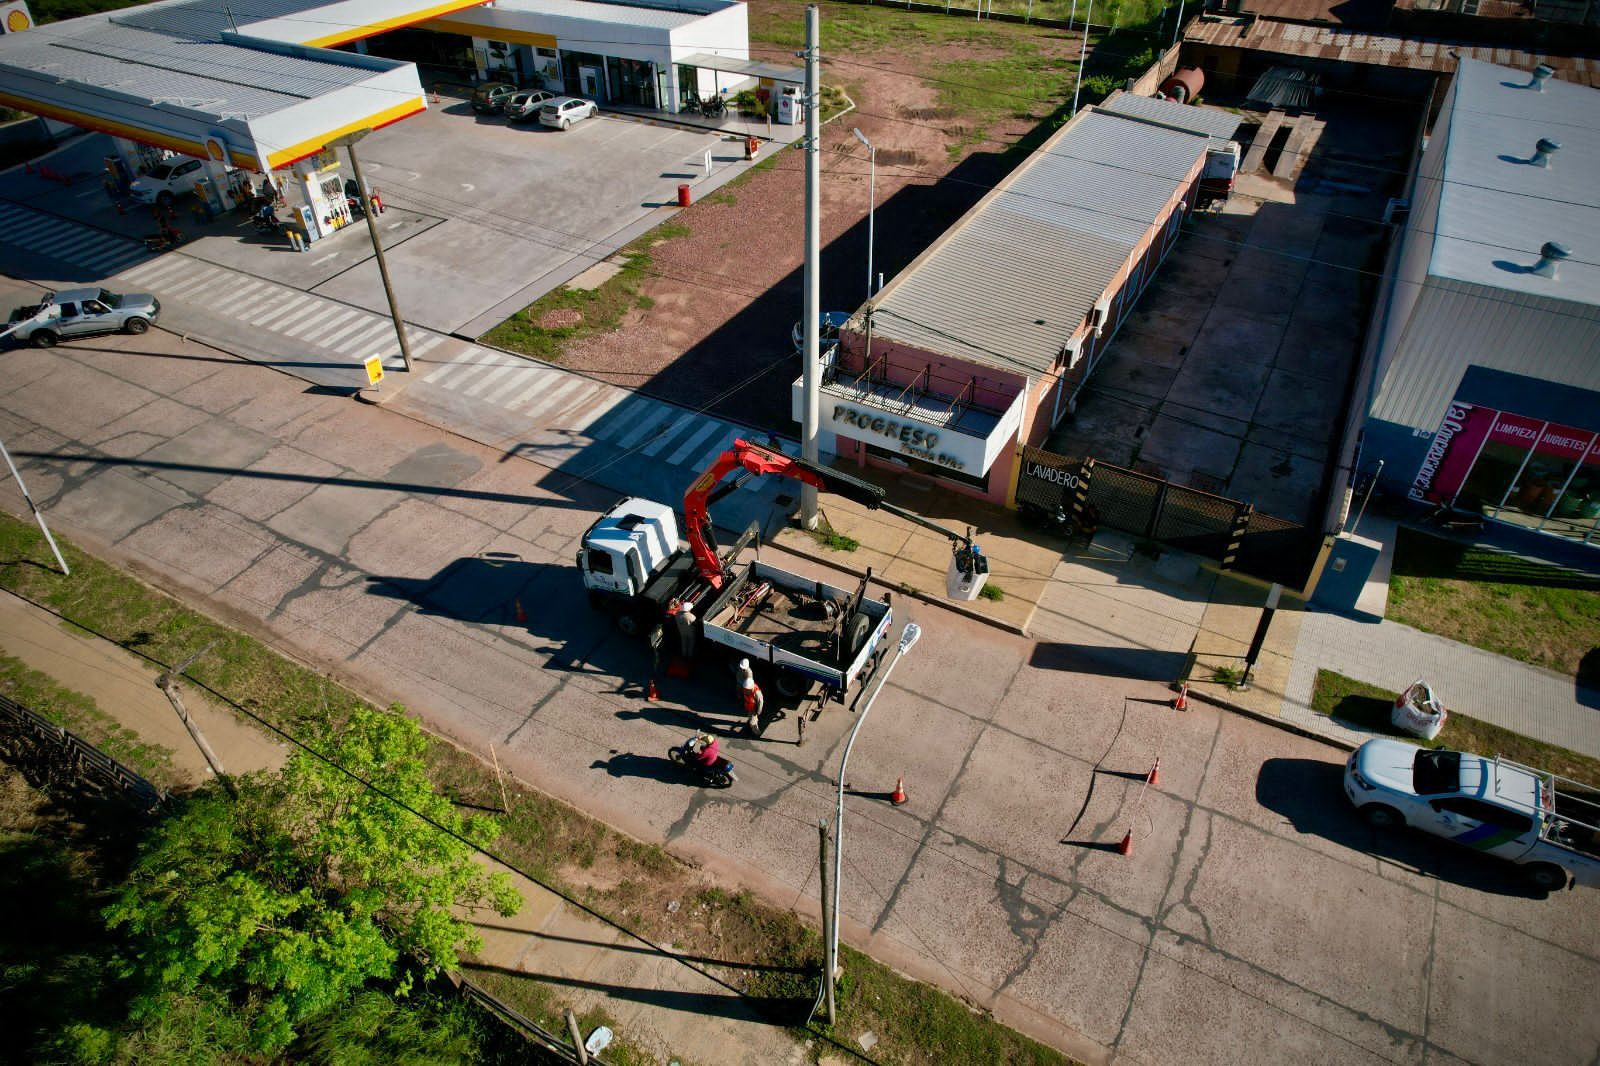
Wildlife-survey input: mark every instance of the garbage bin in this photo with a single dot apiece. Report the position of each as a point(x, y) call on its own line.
point(683, 196)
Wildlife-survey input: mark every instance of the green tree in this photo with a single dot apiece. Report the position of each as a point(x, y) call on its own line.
point(312, 882)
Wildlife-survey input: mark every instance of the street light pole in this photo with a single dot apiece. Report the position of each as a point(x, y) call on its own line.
point(830, 947)
point(872, 200)
point(811, 372)
point(348, 142)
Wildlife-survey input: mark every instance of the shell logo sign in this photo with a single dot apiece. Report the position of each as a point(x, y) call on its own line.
point(215, 149)
point(15, 17)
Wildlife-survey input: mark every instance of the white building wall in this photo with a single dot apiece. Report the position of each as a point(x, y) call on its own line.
point(721, 33)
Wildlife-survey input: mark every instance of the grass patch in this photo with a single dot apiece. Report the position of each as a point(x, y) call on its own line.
point(547, 326)
point(1520, 608)
point(80, 714)
point(1367, 706)
point(1227, 675)
point(992, 592)
point(766, 951)
point(834, 540)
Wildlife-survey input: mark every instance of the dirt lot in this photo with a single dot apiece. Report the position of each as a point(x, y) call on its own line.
point(721, 300)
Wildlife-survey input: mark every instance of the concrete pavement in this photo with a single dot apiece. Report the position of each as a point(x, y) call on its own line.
point(1176, 617)
point(1256, 918)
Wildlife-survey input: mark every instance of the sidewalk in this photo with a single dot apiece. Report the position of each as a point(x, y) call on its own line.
point(659, 1004)
point(1176, 616)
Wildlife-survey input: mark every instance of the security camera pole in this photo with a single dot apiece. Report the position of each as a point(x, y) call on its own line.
point(348, 143)
point(811, 408)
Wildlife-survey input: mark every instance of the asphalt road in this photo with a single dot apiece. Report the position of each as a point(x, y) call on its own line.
point(1255, 921)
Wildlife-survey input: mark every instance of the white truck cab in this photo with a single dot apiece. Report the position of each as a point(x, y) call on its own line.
point(628, 546)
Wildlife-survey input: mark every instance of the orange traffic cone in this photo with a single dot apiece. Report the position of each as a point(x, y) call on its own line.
point(1154, 776)
point(1182, 701)
point(898, 796)
point(522, 616)
point(1126, 847)
point(652, 693)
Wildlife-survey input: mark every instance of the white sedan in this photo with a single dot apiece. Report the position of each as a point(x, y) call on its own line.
point(563, 111)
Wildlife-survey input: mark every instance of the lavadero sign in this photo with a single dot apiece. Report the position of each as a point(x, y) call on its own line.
point(919, 440)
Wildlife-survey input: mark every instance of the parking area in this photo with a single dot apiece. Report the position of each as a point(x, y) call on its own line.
point(1231, 373)
point(482, 215)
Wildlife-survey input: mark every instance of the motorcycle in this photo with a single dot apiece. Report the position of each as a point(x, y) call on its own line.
point(719, 776)
point(1058, 520)
point(267, 221)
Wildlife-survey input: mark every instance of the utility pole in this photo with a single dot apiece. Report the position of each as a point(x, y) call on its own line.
point(1083, 53)
point(348, 142)
point(830, 965)
point(38, 516)
point(811, 409)
point(168, 683)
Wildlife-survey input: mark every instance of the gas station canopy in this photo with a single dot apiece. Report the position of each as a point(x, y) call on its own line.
point(252, 82)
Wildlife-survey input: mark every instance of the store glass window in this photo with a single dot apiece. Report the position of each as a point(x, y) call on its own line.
point(1533, 473)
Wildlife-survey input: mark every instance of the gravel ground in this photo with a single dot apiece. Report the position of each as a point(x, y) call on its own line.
point(725, 296)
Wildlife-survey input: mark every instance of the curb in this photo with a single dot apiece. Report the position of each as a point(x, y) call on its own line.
point(1272, 720)
point(815, 557)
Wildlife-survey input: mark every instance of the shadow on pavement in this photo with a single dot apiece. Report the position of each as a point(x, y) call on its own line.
point(643, 949)
point(1310, 793)
point(708, 1004)
point(1143, 664)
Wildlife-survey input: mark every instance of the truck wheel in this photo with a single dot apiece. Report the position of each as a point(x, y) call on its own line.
point(856, 632)
point(43, 338)
point(1380, 817)
point(1546, 877)
point(136, 325)
point(790, 685)
point(628, 623)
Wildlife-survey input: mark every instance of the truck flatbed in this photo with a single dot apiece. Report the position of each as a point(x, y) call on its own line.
point(778, 616)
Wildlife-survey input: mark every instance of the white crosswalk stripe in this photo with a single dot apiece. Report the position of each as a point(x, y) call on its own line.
point(439, 372)
point(556, 388)
point(338, 335)
point(662, 439)
point(695, 440)
point(585, 419)
point(313, 319)
point(67, 241)
point(645, 425)
point(495, 374)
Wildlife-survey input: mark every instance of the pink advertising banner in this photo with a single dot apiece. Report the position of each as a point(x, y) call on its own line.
point(1454, 448)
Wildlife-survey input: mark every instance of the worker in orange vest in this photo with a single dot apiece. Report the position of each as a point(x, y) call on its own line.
point(750, 695)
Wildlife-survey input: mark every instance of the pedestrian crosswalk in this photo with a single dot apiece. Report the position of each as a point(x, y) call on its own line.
point(93, 250)
point(605, 422)
point(594, 429)
point(332, 326)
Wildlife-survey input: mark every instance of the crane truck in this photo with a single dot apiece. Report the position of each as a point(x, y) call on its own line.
point(800, 633)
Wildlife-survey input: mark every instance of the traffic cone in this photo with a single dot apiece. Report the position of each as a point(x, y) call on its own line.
point(522, 616)
point(1126, 847)
point(1153, 778)
point(652, 693)
point(1181, 703)
point(898, 796)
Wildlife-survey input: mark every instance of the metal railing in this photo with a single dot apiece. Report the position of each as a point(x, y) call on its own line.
point(59, 753)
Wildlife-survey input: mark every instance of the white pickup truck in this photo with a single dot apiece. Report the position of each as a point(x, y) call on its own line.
point(1544, 823)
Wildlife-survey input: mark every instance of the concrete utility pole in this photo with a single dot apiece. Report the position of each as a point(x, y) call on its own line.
point(811, 409)
point(348, 142)
point(1083, 52)
point(38, 516)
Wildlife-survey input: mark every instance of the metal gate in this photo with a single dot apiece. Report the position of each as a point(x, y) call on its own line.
point(1143, 505)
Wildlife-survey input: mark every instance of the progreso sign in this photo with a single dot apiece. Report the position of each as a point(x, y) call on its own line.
point(916, 439)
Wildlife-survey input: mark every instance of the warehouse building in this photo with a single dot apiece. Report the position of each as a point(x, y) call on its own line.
point(980, 345)
point(1486, 378)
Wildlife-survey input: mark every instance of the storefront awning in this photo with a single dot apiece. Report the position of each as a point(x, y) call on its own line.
point(749, 67)
point(935, 429)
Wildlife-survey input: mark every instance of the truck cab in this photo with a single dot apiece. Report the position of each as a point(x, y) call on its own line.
point(627, 546)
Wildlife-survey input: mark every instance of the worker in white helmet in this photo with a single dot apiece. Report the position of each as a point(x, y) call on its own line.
point(751, 698)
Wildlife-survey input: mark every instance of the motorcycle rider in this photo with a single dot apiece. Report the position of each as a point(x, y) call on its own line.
point(704, 754)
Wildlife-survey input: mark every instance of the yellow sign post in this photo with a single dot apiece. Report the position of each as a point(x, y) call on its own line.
point(374, 370)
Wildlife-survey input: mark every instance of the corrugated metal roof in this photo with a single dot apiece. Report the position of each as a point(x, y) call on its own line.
point(1497, 209)
point(208, 19)
point(1205, 121)
point(1344, 45)
point(1014, 279)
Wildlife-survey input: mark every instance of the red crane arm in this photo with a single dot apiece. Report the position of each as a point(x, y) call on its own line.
point(696, 501)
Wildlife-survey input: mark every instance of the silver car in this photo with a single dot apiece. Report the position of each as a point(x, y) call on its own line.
point(525, 105)
point(78, 312)
point(563, 111)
